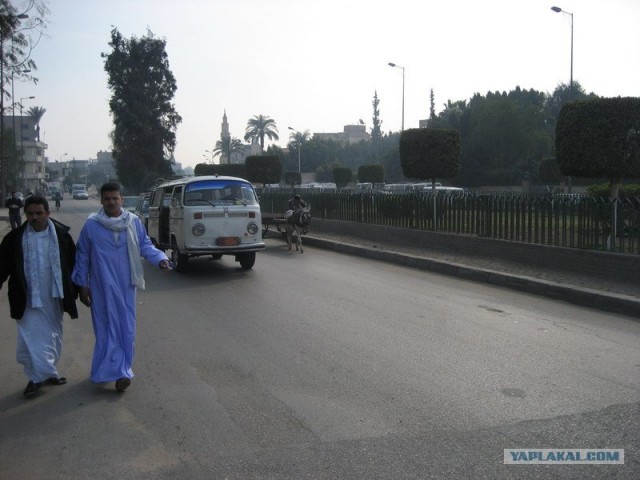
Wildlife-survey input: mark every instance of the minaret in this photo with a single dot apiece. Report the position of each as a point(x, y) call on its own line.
point(224, 132)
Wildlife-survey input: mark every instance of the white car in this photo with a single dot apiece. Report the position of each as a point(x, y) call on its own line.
point(80, 195)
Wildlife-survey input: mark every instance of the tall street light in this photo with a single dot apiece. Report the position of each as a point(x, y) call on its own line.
point(391, 64)
point(13, 120)
point(24, 175)
point(299, 145)
point(559, 10)
point(8, 21)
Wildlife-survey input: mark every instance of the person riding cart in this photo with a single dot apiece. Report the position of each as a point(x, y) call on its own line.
point(294, 204)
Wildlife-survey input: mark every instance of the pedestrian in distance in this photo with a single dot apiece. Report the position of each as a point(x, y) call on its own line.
point(15, 205)
point(38, 259)
point(58, 198)
point(108, 272)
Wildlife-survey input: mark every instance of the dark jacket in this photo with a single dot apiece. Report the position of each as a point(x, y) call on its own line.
point(12, 267)
point(14, 205)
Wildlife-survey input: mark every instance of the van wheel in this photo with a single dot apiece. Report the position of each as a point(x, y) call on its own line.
point(181, 260)
point(247, 260)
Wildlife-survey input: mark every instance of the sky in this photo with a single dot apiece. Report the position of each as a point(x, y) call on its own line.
point(316, 65)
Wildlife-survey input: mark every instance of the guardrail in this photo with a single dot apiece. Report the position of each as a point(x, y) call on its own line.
point(575, 221)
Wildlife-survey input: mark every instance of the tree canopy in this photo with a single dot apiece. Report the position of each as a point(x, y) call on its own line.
point(20, 31)
point(261, 126)
point(600, 138)
point(430, 153)
point(342, 176)
point(263, 169)
point(371, 174)
point(144, 117)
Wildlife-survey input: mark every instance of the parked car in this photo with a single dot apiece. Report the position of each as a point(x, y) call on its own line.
point(80, 195)
point(142, 208)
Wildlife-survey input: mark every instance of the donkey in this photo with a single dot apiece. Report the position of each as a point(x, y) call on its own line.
point(298, 222)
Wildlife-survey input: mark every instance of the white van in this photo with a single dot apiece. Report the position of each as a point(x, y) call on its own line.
point(207, 215)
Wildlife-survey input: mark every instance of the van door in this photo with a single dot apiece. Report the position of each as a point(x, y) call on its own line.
point(164, 224)
point(153, 226)
point(176, 216)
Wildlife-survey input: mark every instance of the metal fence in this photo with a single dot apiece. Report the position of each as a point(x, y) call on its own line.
point(575, 221)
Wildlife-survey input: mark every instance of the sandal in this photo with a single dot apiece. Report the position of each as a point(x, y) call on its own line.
point(122, 384)
point(31, 389)
point(56, 381)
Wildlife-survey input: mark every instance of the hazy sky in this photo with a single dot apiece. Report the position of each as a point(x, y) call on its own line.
point(315, 65)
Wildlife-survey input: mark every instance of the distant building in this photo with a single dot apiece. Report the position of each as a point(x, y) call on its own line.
point(26, 168)
point(350, 135)
point(103, 165)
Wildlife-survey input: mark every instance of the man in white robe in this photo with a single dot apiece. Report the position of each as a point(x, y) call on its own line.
point(38, 258)
point(108, 271)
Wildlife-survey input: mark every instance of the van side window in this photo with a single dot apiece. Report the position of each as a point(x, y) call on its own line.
point(176, 199)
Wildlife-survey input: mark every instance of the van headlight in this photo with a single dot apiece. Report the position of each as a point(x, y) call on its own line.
point(198, 229)
point(253, 228)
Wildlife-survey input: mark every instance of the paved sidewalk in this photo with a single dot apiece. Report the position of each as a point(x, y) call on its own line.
point(610, 296)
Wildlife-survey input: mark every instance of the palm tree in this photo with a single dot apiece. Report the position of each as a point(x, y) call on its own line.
point(260, 126)
point(37, 113)
point(296, 138)
point(227, 147)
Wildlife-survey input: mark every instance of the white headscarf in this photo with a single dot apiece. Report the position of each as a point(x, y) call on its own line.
point(29, 250)
point(120, 224)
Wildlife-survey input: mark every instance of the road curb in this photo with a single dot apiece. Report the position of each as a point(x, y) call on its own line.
point(604, 301)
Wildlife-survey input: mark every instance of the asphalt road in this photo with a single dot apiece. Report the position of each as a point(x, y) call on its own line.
point(322, 365)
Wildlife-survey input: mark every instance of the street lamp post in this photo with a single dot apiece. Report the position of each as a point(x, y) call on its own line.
point(24, 174)
point(559, 10)
point(14, 169)
point(299, 146)
point(7, 21)
point(391, 64)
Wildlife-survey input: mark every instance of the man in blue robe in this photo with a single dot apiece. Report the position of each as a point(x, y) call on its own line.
point(108, 271)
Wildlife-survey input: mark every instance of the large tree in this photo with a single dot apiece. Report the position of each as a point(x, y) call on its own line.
point(261, 126)
point(600, 138)
point(376, 133)
point(430, 153)
point(144, 117)
point(21, 26)
point(263, 169)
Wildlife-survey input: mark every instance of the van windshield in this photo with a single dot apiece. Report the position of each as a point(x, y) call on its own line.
point(219, 192)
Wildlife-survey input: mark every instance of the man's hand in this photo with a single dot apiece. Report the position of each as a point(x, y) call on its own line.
point(164, 265)
point(85, 296)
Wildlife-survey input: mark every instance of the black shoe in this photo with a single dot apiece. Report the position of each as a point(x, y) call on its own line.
point(122, 384)
point(31, 389)
point(56, 381)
